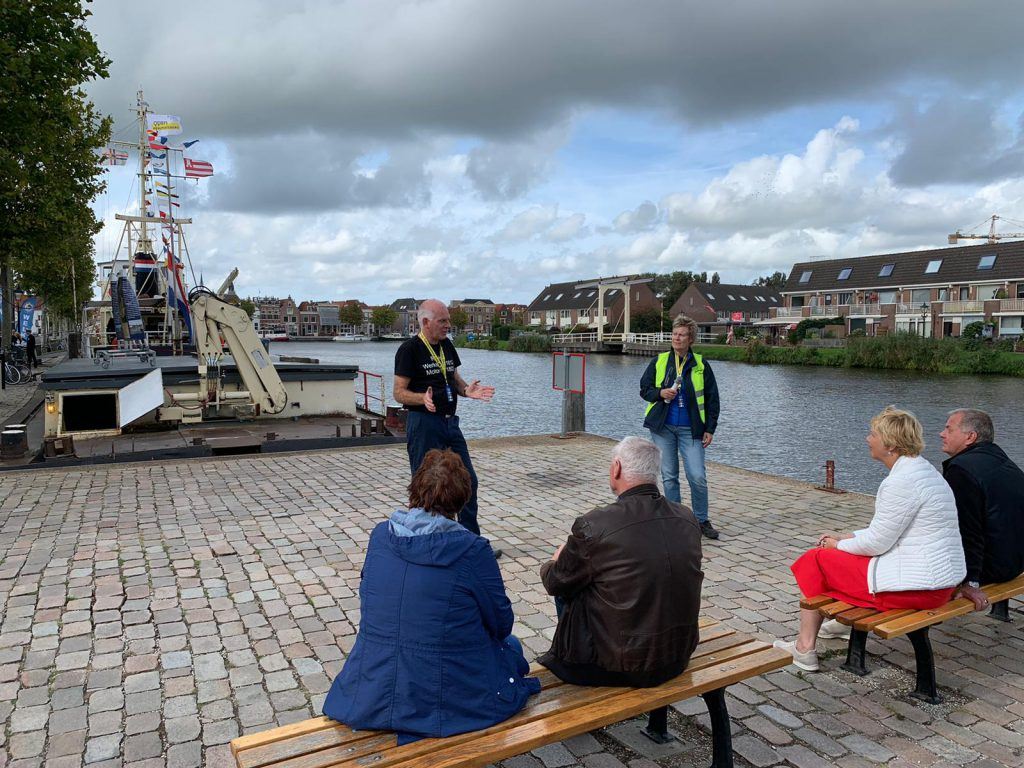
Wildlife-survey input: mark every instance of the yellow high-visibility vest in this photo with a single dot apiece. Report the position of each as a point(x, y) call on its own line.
point(696, 378)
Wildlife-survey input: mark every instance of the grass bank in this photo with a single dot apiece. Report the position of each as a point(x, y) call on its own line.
point(530, 342)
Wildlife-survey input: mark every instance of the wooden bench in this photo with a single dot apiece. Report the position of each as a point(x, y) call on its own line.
point(913, 624)
point(559, 711)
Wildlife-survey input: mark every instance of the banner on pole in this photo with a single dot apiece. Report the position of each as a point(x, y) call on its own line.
point(165, 125)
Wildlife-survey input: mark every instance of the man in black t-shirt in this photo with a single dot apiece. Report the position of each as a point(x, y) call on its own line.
point(428, 384)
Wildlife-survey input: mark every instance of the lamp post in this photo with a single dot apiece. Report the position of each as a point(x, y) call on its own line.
point(925, 309)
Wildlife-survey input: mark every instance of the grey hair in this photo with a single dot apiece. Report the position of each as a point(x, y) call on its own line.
point(973, 420)
point(640, 459)
point(685, 321)
point(425, 312)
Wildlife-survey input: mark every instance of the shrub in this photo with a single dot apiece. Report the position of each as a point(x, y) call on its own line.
point(530, 342)
point(973, 330)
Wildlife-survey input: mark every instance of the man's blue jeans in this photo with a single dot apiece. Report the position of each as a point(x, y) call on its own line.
point(426, 431)
point(673, 443)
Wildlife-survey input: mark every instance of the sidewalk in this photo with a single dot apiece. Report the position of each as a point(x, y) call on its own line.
point(152, 612)
point(17, 396)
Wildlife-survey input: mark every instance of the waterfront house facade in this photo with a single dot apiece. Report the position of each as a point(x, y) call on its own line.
point(934, 293)
point(565, 308)
point(407, 323)
point(717, 307)
point(269, 309)
point(510, 314)
point(479, 314)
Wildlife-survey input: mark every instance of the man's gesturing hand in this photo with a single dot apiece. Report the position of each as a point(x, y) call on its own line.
point(428, 400)
point(478, 391)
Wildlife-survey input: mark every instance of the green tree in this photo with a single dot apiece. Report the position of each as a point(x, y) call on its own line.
point(647, 321)
point(49, 134)
point(249, 306)
point(715, 279)
point(775, 280)
point(459, 319)
point(383, 318)
point(351, 314)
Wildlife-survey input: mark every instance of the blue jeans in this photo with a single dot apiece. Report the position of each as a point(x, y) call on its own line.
point(426, 431)
point(674, 442)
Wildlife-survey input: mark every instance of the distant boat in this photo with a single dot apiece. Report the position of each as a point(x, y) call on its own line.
point(393, 336)
point(273, 335)
point(350, 337)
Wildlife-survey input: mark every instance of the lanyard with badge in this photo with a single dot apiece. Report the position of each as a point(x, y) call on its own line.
point(679, 380)
point(442, 363)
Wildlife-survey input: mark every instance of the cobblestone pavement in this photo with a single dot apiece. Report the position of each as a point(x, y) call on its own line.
point(13, 397)
point(151, 613)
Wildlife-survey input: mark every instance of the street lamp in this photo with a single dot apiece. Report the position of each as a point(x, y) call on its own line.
point(925, 309)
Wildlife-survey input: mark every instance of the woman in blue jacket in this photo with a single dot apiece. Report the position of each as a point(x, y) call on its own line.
point(434, 655)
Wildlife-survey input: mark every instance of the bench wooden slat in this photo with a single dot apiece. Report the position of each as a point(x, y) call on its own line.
point(634, 701)
point(959, 607)
point(815, 603)
point(855, 614)
point(834, 609)
point(339, 745)
point(880, 617)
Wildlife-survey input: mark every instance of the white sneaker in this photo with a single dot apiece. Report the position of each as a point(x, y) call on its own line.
point(808, 661)
point(833, 630)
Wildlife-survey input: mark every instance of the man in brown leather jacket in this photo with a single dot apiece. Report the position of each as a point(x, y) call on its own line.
point(627, 582)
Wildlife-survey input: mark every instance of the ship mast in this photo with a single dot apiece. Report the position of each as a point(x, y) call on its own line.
point(144, 244)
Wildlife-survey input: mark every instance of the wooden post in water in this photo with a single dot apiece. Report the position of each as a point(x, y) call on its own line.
point(574, 412)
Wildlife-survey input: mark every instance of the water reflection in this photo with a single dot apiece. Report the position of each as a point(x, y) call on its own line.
point(783, 420)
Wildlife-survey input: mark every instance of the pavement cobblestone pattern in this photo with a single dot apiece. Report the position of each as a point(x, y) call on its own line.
point(153, 612)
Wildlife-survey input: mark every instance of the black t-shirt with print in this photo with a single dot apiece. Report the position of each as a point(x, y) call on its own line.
point(413, 361)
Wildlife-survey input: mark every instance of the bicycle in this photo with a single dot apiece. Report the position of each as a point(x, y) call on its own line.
point(12, 373)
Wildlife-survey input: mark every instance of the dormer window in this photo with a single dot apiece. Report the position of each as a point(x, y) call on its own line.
point(987, 262)
point(886, 270)
point(806, 276)
point(845, 273)
point(933, 267)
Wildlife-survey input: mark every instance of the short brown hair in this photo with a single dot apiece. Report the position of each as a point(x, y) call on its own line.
point(687, 322)
point(441, 485)
point(900, 431)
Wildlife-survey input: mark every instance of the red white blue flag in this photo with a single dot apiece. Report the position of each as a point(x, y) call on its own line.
point(197, 169)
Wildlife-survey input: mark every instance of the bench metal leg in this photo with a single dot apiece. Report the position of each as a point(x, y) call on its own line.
point(926, 689)
point(657, 726)
point(1001, 610)
point(721, 729)
point(856, 653)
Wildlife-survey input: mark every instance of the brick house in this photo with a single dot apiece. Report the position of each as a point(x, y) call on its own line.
point(563, 306)
point(717, 307)
point(510, 314)
point(407, 323)
point(935, 292)
point(479, 313)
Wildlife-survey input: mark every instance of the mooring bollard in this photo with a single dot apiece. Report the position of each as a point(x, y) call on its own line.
point(830, 478)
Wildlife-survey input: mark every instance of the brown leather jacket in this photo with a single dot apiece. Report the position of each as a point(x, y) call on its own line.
point(630, 579)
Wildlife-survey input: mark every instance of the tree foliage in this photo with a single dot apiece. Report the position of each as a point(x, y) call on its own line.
point(248, 306)
point(383, 317)
point(49, 134)
point(351, 314)
point(669, 287)
point(459, 319)
point(775, 280)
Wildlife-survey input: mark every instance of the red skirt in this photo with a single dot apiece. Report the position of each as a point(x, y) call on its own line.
point(843, 576)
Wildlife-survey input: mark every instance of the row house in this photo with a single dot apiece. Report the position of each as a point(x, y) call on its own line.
point(933, 293)
point(510, 314)
point(290, 316)
point(327, 317)
point(408, 323)
point(716, 307)
point(479, 314)
point(563, 307)
point(309, 319)
point(270, 313)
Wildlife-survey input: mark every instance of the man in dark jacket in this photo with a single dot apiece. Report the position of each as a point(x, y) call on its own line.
point(989, 491)
point(628, 582)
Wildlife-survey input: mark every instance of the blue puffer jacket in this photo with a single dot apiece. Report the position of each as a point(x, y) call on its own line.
point(432, 656)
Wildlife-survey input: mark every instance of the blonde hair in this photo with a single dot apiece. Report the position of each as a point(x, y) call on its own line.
point(900, 431)
point(685, 321)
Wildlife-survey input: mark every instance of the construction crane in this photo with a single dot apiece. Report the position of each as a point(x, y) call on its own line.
point(991, 237)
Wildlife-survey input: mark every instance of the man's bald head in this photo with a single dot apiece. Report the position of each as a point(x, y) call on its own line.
point(434, 320)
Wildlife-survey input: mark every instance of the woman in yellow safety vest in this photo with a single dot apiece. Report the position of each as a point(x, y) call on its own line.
point(682, 415)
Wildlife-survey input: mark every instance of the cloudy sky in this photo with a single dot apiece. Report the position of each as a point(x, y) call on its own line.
point(379, 149)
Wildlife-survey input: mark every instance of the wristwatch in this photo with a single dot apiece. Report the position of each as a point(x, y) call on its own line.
point(973, 585)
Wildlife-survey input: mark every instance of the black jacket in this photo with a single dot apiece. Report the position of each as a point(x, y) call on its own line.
point(989, 491)
point(651, 392)
point(630, 577)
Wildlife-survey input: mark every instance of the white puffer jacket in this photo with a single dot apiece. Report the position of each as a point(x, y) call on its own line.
point(914, 539)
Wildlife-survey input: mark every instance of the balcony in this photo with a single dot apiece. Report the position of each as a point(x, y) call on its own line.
point(865, 310)
point(963, 307)
point(1012, 306)
point(786, 312)
point(828, 311)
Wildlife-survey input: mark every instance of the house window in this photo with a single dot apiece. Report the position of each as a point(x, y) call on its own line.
point(943, 294)
point(965, 293)
point(710, 296)
point(548, 297)
point(933, 267)
point(731, 297)
point(796, 302)
point(564, 314)
point(592, 294)
point(743, 297)
point(987, 262)
point(535, 315)
point(986, 292)
point(887, 297)
point(559, 297)
point(886, 270)
point(845, 298)
point(845, 273)
point(806, 276)
point(828, 299)
point(1020, 290)
point(774, 300)
point(920, 296)
point(578, 294)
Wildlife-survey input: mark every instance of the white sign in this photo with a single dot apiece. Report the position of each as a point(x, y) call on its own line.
point(140, 397)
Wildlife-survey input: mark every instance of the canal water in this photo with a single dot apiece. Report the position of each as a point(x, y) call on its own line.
point(782, 420)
